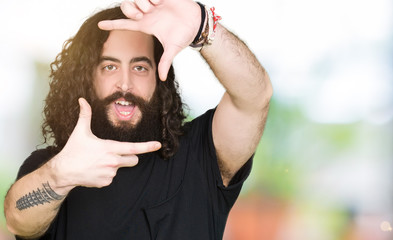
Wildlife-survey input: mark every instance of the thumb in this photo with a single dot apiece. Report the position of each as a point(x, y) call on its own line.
point(166, 61)
point(84, 113)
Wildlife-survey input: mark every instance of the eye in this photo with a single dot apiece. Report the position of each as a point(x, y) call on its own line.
point(110, 68)
point(140, 69)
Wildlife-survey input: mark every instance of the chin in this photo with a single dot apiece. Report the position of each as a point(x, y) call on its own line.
point(124, 124)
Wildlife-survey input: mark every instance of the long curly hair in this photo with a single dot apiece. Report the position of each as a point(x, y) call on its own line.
point(72, 77)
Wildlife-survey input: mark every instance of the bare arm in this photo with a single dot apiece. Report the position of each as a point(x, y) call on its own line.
point(241, 114)
point(33, 201)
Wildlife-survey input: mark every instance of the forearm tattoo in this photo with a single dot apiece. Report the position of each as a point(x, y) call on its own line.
point(37, 197)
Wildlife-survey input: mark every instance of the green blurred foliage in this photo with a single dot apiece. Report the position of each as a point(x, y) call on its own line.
point(291, 145)
point(6, 179)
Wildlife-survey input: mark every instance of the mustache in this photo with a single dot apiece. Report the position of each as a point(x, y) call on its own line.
point(146, 106)
point(129, 97)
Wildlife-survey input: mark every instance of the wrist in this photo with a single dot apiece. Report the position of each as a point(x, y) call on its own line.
point(202, 24)
point(57, 179)
point(207, 29)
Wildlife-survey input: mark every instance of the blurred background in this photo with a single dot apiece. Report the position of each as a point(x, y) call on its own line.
point(324, 167)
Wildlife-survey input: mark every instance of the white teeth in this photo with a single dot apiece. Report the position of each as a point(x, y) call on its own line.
point(125, 113)
point(124, 103)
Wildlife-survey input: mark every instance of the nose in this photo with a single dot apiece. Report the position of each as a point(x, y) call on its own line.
point(125, 83)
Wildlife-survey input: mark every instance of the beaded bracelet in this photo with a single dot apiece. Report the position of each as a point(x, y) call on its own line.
point(207, 36)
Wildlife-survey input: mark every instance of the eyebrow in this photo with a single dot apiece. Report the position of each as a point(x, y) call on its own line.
point(133, 60)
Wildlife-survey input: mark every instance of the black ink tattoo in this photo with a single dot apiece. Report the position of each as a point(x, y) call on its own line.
point(37, 197)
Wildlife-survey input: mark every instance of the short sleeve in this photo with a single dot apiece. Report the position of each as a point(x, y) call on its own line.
point(35, 161)
point(230, 193)
point(225, 197)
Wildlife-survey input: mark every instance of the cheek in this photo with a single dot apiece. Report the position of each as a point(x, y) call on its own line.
point(144, 87)
point(152, 87)
point(101, 87)
point(98, 90)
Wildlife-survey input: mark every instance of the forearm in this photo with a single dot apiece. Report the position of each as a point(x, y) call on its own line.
point(238, 70)
point(32, 203)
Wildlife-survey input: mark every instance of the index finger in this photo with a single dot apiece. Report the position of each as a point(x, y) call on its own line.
point(166, 61)
point(118, 24)
point(128, 148)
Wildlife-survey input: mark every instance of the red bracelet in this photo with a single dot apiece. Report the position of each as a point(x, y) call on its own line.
point(216, 18)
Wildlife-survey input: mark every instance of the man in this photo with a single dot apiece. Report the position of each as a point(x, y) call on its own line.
point(127, 167)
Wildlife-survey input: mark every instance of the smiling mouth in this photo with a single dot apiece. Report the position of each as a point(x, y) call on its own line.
point(124, 109)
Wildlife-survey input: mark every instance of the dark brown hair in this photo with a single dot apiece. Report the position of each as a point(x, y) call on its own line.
point(72, 78)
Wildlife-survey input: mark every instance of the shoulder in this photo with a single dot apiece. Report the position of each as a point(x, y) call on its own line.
point(201, 122)
point(36, 160)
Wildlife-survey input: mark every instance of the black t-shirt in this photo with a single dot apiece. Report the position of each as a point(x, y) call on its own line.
point(180, 198)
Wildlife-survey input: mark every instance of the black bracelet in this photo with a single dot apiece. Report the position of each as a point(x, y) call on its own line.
point(203, 17)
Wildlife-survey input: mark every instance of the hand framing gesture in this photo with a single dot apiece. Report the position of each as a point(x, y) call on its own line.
point(93, 162)
point(174, 23)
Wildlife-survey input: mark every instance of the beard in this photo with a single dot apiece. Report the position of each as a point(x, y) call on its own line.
point(148, 128)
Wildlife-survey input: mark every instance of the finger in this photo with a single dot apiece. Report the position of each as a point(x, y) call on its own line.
point(155, 2)
point(119, 24)
point(131, 10)
point(166, 62)
point(128, 161)
point(144, 5)
point(84, 113)
point(127, 148)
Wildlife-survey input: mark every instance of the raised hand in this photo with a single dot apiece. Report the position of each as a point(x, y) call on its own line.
point(92, 162)
point(175, 23)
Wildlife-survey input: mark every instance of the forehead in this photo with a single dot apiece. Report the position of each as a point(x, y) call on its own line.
point(125, 43)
